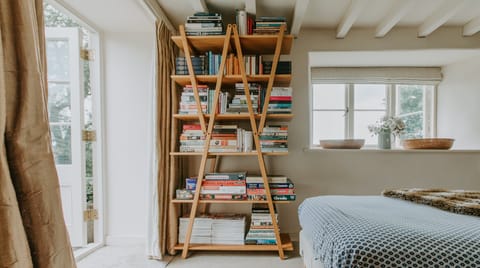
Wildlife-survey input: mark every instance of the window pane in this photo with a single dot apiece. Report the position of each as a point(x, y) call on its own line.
point(57, 60)
point(59, 109)
point(362, 120)
point(61, 142)
point(370, 96)
point(329, 96)
point(328, 125)
point(410, 107)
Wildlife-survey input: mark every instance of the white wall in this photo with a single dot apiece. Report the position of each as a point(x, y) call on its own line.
point(128, 59)
point(458, 107)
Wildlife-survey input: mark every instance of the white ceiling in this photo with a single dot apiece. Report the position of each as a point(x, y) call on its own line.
point(112, 15)
point(332, 13)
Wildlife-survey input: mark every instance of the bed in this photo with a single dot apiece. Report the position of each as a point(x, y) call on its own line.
point(378, 231)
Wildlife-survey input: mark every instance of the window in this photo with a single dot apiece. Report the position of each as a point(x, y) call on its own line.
point(344, 110)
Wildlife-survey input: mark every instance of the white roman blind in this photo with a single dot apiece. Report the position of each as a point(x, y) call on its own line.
point(380, 75)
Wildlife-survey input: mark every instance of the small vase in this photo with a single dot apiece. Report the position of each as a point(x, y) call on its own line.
point(385, 140)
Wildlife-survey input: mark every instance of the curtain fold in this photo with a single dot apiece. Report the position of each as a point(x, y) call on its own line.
point(165, 130)
point(32, 228)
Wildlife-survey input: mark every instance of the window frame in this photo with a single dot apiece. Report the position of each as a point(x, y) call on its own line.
point(430, 109)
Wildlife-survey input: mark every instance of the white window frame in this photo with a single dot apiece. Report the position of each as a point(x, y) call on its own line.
point(429, 123)
point(97, 85)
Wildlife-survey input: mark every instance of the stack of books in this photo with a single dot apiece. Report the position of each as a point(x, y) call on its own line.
point(269, 25)
point(188, 105)
point(280, 101)
point(228, 229)
point(213, 61)
point(204, 23)
point(261, 227)
point(201, 231)
point(200, 65)
point(281, 188)
point(224, 186)
point(224, 138)
point(192, 138)
point(239, 101)
point(283, 67)
point(274, 138)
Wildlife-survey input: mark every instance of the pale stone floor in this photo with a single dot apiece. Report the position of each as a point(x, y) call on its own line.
point(134, 256)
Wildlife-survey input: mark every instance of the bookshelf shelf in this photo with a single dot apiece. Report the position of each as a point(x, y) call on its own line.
point(231, 42)
point(228, 80)
point(287, 245)
point(179, 201)
point(251, 44)
point(229, 154)
point(234, 117)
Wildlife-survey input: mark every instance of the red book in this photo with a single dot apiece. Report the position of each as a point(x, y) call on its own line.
point(280, 98)
point(192, 127)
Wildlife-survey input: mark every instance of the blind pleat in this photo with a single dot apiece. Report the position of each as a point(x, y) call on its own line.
point(380, 75)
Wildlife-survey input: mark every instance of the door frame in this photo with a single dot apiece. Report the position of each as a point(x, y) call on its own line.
point(98, 89)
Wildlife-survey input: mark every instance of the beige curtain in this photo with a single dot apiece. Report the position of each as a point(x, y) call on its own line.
point(32, 229)
point(167, 179)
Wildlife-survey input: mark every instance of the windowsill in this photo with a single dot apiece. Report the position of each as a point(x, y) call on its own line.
point(393, 150)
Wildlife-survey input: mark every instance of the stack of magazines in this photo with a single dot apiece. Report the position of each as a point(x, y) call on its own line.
point(204, 23)
point(226, 229)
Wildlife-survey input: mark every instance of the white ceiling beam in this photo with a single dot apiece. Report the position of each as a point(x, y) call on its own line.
point(439, 17)
point(298, 15)
point(354, 10)
point(198, 5)
point(393, 17)
point(251, 6)
point(472, 27)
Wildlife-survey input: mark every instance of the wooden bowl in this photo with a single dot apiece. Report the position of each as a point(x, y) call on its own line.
point(428, 143)
point(342, 144)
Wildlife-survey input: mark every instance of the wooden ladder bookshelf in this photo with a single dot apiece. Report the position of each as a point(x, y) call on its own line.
point(232, 41)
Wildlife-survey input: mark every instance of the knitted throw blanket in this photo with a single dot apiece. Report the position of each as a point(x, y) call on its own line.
point(457, 201)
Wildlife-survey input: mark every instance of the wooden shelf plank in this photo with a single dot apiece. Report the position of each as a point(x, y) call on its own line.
point(251, 44)
point(287, 245)
point(240, 116)
point(180, 201)
point(280, 79)
point(228, 153)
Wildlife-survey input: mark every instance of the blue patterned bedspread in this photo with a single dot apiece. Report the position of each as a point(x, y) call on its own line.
point(376, 231)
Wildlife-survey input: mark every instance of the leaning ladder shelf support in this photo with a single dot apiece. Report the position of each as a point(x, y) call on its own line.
point(205, 155)
point(261, 161)
point(271, 78)
point(193, 79)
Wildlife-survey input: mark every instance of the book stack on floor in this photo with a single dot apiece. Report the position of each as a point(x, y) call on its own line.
point(274, 138)
point(188, 105)
point(239, 101)
point(199, 63)
point(269, 25)
point(283, 67)
point(224, 186)
point(281, 188)
point(192, 138)
point(227, 229)
point(201, 231)
point(261, 230)
point(280, 101)
point(204, 23)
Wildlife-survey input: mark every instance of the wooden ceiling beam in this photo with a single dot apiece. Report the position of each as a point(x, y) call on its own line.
point(353, 11)
point(439, 17)
point(398, 11)
point(198, 5)
point(298, 14)
point(472, 27)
